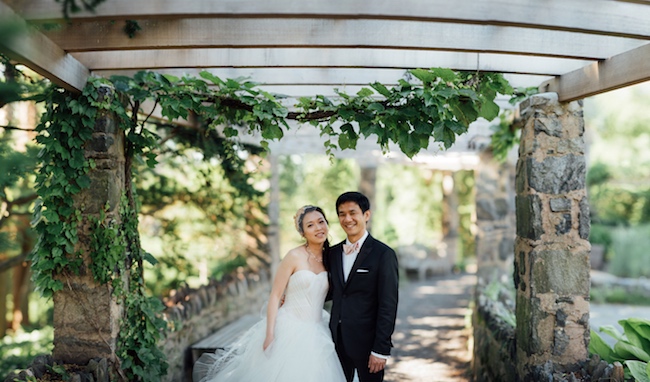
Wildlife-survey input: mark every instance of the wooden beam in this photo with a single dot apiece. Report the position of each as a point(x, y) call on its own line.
point(330, 33)
point(302, 82)
point(629, 68)
point(588, 16)
point(40, 54)
point(115, 61)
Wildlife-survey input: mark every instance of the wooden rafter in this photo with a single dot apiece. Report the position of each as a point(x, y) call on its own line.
point(330, 33)
point(43, 56)
point(590, 46)
point(629, 68)
point(590, 16)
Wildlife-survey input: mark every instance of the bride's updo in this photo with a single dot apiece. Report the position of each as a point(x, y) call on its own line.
point(297, 220)
point(300, 215)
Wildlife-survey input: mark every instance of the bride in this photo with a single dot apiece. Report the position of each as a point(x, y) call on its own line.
point(293, 342)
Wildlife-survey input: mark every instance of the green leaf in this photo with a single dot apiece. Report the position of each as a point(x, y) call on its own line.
point(612, 332)
point(345, 142)
point(598, 346)
point(381, 89)
point(446, 75)
point(641, 329)
point(376, 106)
point(148, 257)
point(365, 92)
point(627, 350)
point(424, 75)
point(272, 132)
point(211, 77)
point(639, 370)
point(489, 110)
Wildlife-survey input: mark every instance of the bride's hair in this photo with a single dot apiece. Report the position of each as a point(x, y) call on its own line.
point(298, 218)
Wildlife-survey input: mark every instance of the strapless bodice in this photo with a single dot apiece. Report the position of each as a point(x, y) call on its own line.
point(305, 295)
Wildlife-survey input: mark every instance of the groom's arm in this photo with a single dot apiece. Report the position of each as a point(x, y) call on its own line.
point(387, 294)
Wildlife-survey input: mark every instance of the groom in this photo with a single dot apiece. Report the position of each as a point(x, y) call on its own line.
point(363, 289)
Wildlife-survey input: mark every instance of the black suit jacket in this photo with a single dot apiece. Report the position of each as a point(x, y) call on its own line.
point(364, 308)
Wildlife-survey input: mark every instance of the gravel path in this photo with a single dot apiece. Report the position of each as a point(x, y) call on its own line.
point(431, 335)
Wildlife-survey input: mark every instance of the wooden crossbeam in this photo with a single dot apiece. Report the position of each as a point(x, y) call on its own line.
point(42, 55)
point(629, 68)
point(332, 33)
point(589, 16)
point(366, 60)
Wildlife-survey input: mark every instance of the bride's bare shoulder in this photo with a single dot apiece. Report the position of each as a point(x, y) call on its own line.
point(296, 253)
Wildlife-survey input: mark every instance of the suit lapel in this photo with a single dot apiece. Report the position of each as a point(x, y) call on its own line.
point(365, 250)
point(337, 269)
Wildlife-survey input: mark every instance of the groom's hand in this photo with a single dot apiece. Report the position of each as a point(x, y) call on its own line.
point(376, 364)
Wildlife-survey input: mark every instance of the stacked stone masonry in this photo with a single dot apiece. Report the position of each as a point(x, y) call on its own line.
point(551, 249)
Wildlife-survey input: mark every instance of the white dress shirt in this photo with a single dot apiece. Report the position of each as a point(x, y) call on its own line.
point(348, 260)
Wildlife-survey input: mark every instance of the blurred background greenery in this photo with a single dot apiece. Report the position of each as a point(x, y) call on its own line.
point(618, 178)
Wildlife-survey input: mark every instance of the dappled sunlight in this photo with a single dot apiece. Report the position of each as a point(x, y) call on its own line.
point(430, 289)
point(431, 339)
point(436, 321)
point(416, 369)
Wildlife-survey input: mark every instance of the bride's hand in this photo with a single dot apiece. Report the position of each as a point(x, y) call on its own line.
point(267, 342)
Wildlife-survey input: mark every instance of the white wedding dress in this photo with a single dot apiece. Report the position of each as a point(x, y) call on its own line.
point(302, 349)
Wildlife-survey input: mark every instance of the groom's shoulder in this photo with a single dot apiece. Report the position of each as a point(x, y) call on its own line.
point(380, 245)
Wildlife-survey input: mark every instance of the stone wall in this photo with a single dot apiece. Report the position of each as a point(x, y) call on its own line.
point(495, 348)
point(197, 313)
point(494, 352)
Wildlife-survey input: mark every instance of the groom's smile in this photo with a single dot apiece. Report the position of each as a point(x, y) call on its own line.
point(352, 220)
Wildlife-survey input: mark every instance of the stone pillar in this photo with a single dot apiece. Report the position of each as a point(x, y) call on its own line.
point(274, 214)
point(495, 219)
point(450, 219)
point(551, 250)
point(367, 185)
point(87, 314)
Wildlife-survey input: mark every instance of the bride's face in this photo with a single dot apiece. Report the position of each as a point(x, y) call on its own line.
point(315, 227)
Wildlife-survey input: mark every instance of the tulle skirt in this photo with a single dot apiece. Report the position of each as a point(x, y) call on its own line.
point(301, 351)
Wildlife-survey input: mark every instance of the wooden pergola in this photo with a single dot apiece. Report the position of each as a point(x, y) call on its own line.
point(575, 48)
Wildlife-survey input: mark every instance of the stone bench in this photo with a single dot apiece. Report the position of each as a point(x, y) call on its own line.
point(224, 337)
point(422, 260)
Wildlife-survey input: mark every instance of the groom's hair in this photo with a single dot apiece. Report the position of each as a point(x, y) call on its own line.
point(356, 197)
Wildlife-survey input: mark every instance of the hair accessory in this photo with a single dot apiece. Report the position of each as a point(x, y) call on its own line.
point(300, 214)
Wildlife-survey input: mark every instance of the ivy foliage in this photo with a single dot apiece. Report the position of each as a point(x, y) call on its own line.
point(436, 106)
point(63, 131)
point(65, 128)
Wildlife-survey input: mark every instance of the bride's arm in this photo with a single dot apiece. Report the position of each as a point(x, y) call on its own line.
point(285, 270)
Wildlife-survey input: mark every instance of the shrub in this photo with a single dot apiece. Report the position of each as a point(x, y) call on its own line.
point(632, 349)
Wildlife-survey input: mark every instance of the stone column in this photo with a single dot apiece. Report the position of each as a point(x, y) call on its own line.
point(87, 314)
point(495, 219)
point(551, 250)
point(450, 219)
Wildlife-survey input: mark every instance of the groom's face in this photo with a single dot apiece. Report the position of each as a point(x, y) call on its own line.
point(352, 220)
